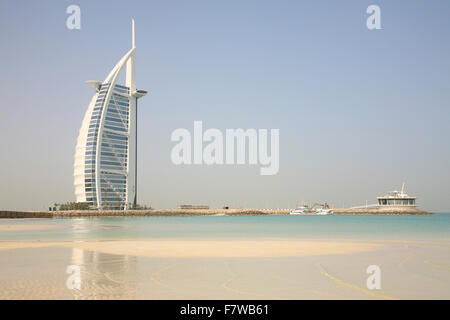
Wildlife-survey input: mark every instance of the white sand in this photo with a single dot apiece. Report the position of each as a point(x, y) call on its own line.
point(207, 248)
point(27, 227)
point(225, 269)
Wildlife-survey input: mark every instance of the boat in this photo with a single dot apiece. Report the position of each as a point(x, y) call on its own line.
point(300, 210)
point(318, 209)
point(324, 212)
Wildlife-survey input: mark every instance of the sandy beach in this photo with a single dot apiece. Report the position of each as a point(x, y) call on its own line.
point(220, 269)
point(175, 248)
point(26, 227)
point(224, 258)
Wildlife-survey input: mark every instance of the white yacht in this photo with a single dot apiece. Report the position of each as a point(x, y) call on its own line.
point(321, 210)
point(299, 210)
point(324, 212)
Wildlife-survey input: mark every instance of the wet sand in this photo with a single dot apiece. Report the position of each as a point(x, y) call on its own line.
point(26, 227)
point(176, 248)
point(225, 269)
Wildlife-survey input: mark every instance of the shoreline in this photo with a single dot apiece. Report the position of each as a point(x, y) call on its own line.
point(4, 214)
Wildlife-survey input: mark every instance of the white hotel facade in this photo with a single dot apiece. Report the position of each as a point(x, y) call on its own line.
point(105, 155)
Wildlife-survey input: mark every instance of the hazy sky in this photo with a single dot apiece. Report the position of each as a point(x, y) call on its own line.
point(359, 111)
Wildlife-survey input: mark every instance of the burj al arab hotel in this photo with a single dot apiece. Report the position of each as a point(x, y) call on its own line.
point(105, 155)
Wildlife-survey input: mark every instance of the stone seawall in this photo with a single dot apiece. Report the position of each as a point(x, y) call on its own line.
point(136, 213)
point(25, 214)
point(185, 213)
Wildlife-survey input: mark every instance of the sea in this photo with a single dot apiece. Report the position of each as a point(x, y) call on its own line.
point(388, 227)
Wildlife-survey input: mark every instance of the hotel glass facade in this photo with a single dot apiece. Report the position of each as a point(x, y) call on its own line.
point(114, 146)
point(105, 155)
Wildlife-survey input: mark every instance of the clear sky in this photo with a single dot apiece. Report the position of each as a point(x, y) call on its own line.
point(359, 111)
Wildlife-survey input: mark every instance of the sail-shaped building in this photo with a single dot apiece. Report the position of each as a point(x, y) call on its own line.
point(105, 155)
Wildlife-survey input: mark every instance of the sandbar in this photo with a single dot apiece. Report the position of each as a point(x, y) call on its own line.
point(207, 248)
point(27, 227)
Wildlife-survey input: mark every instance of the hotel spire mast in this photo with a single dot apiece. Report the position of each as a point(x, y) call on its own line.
point(132, 150)
point(135, 95)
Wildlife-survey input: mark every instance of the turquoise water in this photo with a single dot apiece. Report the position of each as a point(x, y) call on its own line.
point(436, 226)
